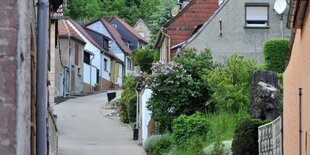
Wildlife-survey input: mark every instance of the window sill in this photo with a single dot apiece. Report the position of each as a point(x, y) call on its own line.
point(257, 27)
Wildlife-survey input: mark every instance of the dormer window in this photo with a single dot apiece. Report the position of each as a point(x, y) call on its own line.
point(220, 2)
point(142, 34)
point(256, 15)
point(114, 25)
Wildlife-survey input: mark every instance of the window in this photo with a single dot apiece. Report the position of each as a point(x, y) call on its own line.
point(79, 72)
point(128, 64)
point(86, 57)
point(142, 34)
point(220, 2)
point(76, 54)
point(105, 67)
point(114, 25)
point(256, 15)
point(120, 70)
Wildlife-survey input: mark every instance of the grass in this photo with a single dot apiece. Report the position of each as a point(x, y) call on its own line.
point(223, 124)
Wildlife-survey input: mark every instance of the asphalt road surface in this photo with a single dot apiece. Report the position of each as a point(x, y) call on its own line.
point(84, 129)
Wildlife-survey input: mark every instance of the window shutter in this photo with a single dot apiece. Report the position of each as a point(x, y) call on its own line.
point(76, 54)
point(257, 13)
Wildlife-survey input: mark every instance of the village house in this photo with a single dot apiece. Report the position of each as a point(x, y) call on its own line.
point(110, 60)
point(240, 27)
point(25, 39)
point(130, 36)
point(296, 113)
point(180, 28)
point(97, 63)
point(66, 63)
point(117, 46)
point(143, 29)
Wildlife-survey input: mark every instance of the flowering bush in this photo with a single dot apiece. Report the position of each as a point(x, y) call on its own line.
point(178, 87)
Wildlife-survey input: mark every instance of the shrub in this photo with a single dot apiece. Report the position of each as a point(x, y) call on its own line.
point(143, 58)
point(185, 127)
point(245, 141)
point(230, 84)
point(129, 84)
point(275, 52)
point(132, 109)
point(124, 113)
point(178, 87)
point(158, 144)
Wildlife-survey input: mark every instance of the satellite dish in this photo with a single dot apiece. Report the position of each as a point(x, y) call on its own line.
point(280, 6)
point(175, 10)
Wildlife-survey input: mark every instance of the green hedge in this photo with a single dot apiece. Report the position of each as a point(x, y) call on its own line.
point(275, 52)
point(245, 141)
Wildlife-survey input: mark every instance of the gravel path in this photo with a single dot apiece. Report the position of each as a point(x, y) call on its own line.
point(84, 129)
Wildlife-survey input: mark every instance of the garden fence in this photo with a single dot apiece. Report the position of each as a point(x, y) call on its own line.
point(270, 138)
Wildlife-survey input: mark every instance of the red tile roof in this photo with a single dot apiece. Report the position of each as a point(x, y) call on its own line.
point(114, 34)
point(197, 12)
point(65, 30)
point(83, 31)
point(130, 29)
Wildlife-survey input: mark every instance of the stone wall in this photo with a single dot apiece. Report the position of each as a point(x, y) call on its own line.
point(17, 42)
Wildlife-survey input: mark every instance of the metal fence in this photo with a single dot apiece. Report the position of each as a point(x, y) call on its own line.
point(270, 138)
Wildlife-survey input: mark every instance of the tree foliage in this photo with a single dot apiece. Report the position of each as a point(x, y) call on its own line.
point(230, 84)
point(130, 10)
point(143, 58)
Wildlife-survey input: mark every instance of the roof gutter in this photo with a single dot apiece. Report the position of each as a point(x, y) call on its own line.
point(41, 88)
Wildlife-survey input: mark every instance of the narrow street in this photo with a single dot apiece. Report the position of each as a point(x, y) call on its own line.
point(84, 129)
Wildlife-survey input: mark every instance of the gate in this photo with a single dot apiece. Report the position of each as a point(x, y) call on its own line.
point(270, 138)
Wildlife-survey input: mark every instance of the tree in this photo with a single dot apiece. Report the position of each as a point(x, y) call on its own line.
point(160, 16)
point(230, 84)
point(83, 10)
point(143, 58)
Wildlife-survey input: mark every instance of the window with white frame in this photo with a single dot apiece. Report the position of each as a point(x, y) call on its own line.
point(256, 15)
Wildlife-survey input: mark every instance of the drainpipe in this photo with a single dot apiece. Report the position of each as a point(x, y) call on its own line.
point(41, 88)
point(70, 66)
point(100, 71)
point(300, 121)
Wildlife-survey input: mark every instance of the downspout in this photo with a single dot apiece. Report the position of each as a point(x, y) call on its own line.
point(100, 74)
point(41, 87)
point(300, 121)
point(63, 80)
point(70, 66)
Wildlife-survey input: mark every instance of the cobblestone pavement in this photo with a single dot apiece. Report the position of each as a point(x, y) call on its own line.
point(84, 129)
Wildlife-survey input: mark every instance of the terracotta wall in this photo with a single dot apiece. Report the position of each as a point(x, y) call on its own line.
point(297, 75)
